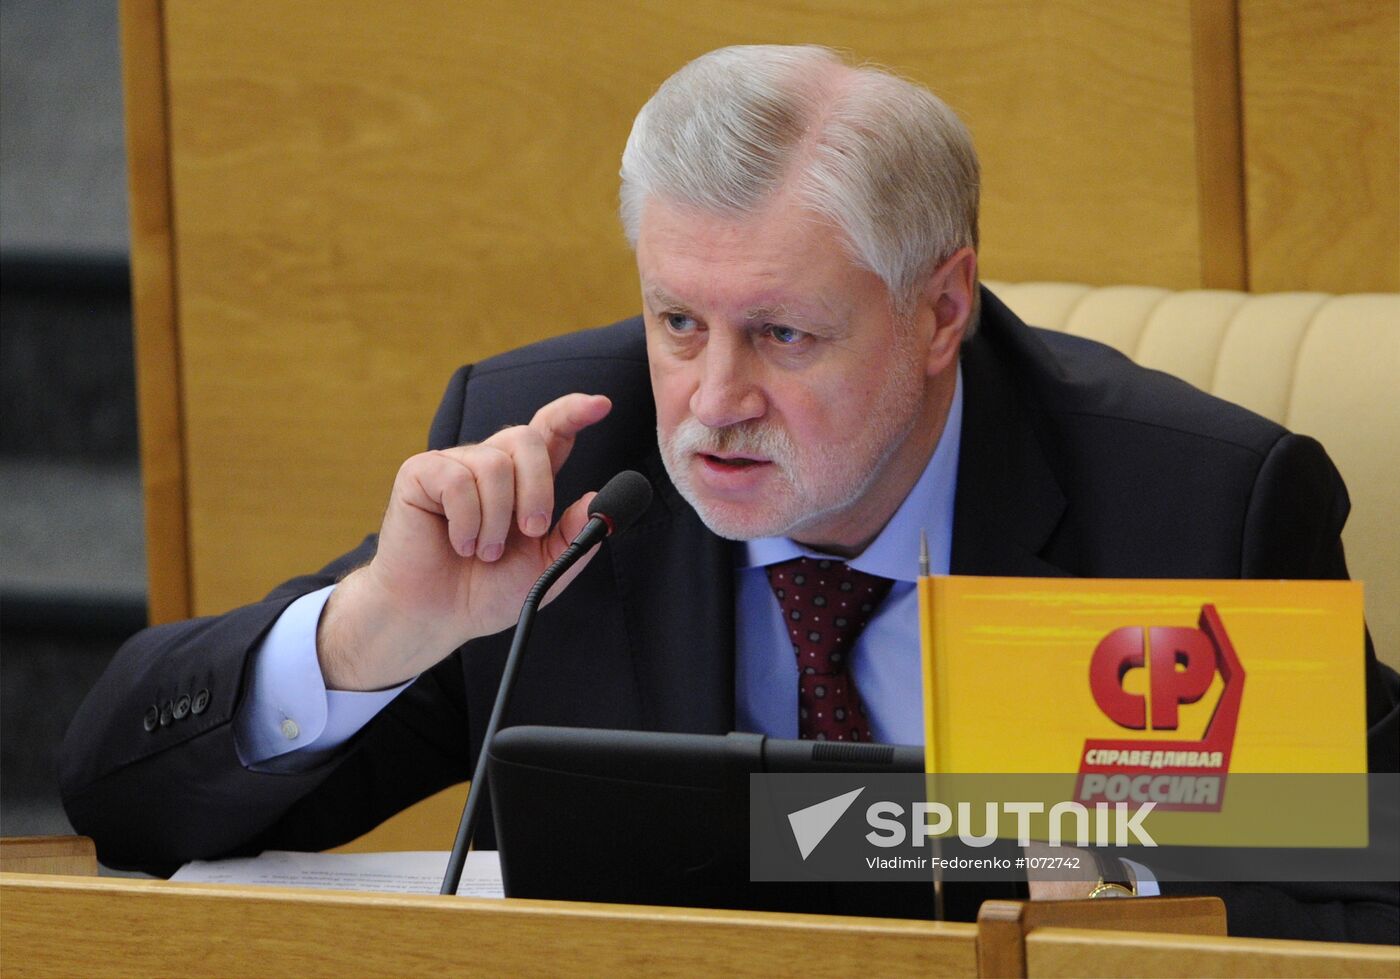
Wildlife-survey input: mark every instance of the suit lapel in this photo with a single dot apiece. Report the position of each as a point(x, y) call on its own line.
point(1008, 502)
point(676, 583)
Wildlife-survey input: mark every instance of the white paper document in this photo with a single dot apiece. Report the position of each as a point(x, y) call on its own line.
point(413, 872)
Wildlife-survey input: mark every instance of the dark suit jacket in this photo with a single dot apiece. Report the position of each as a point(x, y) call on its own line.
point(1073, 462)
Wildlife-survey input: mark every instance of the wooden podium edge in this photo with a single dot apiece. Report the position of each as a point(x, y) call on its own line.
point(72, 855)
point(1054, 952)
point(1003, 927)
point(128, 926)
point(133, 927)
point(1153, 936)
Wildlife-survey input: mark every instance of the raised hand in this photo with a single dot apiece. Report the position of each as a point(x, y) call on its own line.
point(465, 535)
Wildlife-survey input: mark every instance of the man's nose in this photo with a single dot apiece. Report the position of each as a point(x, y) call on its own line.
point(728, 391)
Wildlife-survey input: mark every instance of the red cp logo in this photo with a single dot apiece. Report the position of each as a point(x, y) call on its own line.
point(1181, 662)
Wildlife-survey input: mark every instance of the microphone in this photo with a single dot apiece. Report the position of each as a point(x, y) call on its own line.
point(615, 508)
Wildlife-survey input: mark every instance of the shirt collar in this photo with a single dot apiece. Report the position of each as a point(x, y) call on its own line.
point(894, 553)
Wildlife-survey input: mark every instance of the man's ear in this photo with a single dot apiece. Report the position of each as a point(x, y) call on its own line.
point(950, 300)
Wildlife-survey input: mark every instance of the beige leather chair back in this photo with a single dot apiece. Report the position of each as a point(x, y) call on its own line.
point(1321, 365)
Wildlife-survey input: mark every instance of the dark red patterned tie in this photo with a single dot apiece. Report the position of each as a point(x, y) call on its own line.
point(826, 605)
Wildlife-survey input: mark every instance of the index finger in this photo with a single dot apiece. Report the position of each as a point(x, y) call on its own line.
point(559, 422)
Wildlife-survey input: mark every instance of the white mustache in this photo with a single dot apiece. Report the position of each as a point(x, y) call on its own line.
point(751, 441)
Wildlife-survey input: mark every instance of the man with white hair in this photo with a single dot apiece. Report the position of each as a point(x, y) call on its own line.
point(825, 379)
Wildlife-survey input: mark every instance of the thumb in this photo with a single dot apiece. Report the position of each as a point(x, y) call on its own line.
point(571, 523)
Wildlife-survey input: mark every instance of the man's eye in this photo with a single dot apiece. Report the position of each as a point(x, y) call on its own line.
point(786, 335)
point(679, 322)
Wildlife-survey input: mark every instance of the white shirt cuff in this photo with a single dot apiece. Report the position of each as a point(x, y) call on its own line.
point(1146, 880)
point(288, 708)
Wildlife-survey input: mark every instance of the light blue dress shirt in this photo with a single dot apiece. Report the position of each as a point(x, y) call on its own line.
point(288, 708)
point(887, 662)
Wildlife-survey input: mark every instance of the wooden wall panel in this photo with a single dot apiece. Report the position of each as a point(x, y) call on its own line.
point(153, 304)
point(1321, 83)
point(366, 195)
point(1215, 70)
point(1084, 118)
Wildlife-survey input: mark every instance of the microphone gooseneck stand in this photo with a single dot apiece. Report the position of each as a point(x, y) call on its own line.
point(619, 503)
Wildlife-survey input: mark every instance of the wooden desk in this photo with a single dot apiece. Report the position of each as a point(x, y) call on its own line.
point(1054, 952)
point(68, 926)
point(57, 925)
point(48, 855)
point(64, 926)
